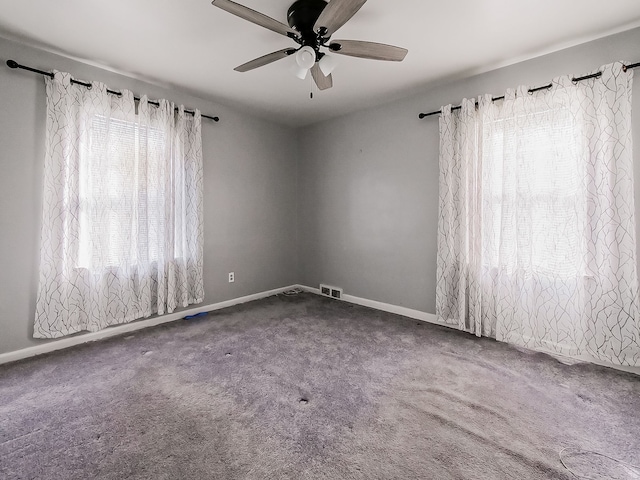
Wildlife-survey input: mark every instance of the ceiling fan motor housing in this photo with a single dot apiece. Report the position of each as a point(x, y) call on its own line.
point(302, 16)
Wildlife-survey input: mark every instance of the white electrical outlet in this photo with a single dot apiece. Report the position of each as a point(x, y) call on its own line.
point(232, 277)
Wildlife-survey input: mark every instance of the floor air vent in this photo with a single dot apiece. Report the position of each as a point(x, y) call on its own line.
point(329, 291)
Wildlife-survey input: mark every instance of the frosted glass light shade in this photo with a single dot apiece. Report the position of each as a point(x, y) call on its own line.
point(306, 57)
point(328, 64)
point(301, 73)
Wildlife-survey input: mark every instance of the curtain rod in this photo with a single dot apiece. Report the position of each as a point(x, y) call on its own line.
point(532, 90)
point(14, 64)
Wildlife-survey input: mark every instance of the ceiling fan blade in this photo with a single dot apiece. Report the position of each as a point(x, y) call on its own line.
point(370, 50)
point(336, 14)
point(265, 60)
point(322, 82)
point(255, 17)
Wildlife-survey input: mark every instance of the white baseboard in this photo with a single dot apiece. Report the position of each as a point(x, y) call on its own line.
point(141, 324)
point(60, 344)
point(431, 318)
point(385, 307)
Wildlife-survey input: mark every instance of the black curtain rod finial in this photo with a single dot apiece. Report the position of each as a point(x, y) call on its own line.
point(12, 64)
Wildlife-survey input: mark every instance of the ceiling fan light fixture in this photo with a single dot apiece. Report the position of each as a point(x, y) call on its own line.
point(311, 24)
point(306, 57)
point(327, 64)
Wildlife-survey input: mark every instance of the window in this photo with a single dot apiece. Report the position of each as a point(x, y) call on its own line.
point(533, 206)
point(122, 224)
point(121, 213)
point(536, 237)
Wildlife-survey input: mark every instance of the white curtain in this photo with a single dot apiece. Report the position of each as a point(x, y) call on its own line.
point(122, 234)
point(536, 233)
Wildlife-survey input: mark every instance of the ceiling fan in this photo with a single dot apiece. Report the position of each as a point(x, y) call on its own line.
point(311, 25)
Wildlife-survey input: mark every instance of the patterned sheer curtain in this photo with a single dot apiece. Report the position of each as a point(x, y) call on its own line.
point(122, 234)
point(536, 234)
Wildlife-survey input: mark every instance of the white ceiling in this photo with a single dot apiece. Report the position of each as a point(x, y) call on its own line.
point(195, 46)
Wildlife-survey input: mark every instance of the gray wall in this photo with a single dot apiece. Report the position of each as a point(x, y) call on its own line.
point(369, 181)
point(249, 191)
point(351, 202)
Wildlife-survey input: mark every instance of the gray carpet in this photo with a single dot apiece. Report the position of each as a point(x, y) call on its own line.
point(309, 387)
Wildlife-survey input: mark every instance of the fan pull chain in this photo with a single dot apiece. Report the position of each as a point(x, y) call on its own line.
point(311, 87)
